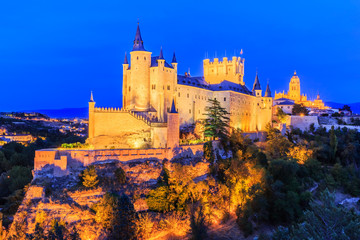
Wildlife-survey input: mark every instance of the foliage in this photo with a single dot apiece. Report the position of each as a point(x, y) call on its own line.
point(74, 235)
point(120, 175)
point(299, 109)
point(209, 152)
point(323, 220)
point(117, 214)
point(217, 121)
point(75, 145)
point(281, 115)
point(89, 177)
point(198, 228)
point(144, 226)
point(300, 153)
point(277, 145)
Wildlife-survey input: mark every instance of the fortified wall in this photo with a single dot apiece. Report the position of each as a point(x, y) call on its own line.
point(63, 159)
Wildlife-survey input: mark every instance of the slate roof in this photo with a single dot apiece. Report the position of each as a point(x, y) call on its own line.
point(138, 42)
point(285, 103)
point(225, 85)
point(154, 62)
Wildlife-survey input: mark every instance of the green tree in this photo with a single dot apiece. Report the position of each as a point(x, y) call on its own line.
point(217, 121)
point(89, 177)
point(299, 109)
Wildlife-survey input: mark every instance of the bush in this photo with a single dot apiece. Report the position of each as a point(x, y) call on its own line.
point(157, 199)
point(89, 177)
point(120, 175)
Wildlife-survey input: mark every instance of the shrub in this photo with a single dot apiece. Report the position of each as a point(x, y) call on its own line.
point(120, 175)
point(144, 226)
point(89, 177)
point(157, 199)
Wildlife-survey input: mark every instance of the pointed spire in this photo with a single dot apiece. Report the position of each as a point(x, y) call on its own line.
point(91, 97)
point(161, 56)
point(126, 60)
point(174, 59)
point(268, 92)
point(173, 109)
point(295, 73)
point(138, 42)
point(256, 83)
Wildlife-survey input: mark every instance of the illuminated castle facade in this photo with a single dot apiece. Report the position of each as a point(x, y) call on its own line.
point(157, 101)
point(295, 95)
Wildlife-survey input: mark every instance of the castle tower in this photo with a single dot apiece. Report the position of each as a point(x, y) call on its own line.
point(256, 87)
point(294, 88)
point(173, 127)
point(138, 89)
point(91, 117)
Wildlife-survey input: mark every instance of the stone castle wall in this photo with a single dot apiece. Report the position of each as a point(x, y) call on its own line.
point(63, 159)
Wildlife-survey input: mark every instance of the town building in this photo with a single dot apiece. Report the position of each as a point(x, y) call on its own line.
point(294, 94)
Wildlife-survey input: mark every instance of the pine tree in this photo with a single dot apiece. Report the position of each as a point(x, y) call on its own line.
point(217, 121)
point(125, 227)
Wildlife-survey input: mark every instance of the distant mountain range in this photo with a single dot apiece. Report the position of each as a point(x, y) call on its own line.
point(355, 107)
point(63, 113)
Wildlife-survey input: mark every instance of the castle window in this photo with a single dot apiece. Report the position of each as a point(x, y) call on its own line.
point(137, 58)
point(179, 94)
point(168, 87)
point(144, 58)
point(129, 89)
point(188, 95)
point(189, 110)
point(224, 99)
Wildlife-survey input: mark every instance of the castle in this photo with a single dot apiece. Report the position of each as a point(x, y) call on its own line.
point(157, 101)
point(295, 95)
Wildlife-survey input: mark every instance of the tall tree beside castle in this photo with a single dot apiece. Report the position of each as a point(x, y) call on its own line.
point(217, 121)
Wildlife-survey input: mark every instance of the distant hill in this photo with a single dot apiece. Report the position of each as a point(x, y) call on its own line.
point(355, 107)
point(63, 113)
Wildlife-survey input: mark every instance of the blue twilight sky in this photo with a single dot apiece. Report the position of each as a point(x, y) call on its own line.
point(53, 53)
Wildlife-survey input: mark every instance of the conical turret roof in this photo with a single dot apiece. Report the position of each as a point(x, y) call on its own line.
point(138, 42)
point(256, 84)
point(268, 92)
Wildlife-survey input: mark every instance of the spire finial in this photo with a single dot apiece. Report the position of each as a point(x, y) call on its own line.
point(294, 72)
point(161, 55)
point(91, 97)
point(126, 60)
point(174, 59)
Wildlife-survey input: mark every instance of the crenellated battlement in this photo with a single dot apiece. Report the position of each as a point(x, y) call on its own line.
point(108, 109)
point(228, 69)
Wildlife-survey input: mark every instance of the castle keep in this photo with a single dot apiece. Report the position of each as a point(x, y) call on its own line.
point(157, 101)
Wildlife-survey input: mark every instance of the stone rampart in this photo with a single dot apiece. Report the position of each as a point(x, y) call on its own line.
point(302, 122)
point(62, 159)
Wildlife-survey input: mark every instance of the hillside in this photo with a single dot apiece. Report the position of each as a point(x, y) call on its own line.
point(355, 107)
point(63, 113)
